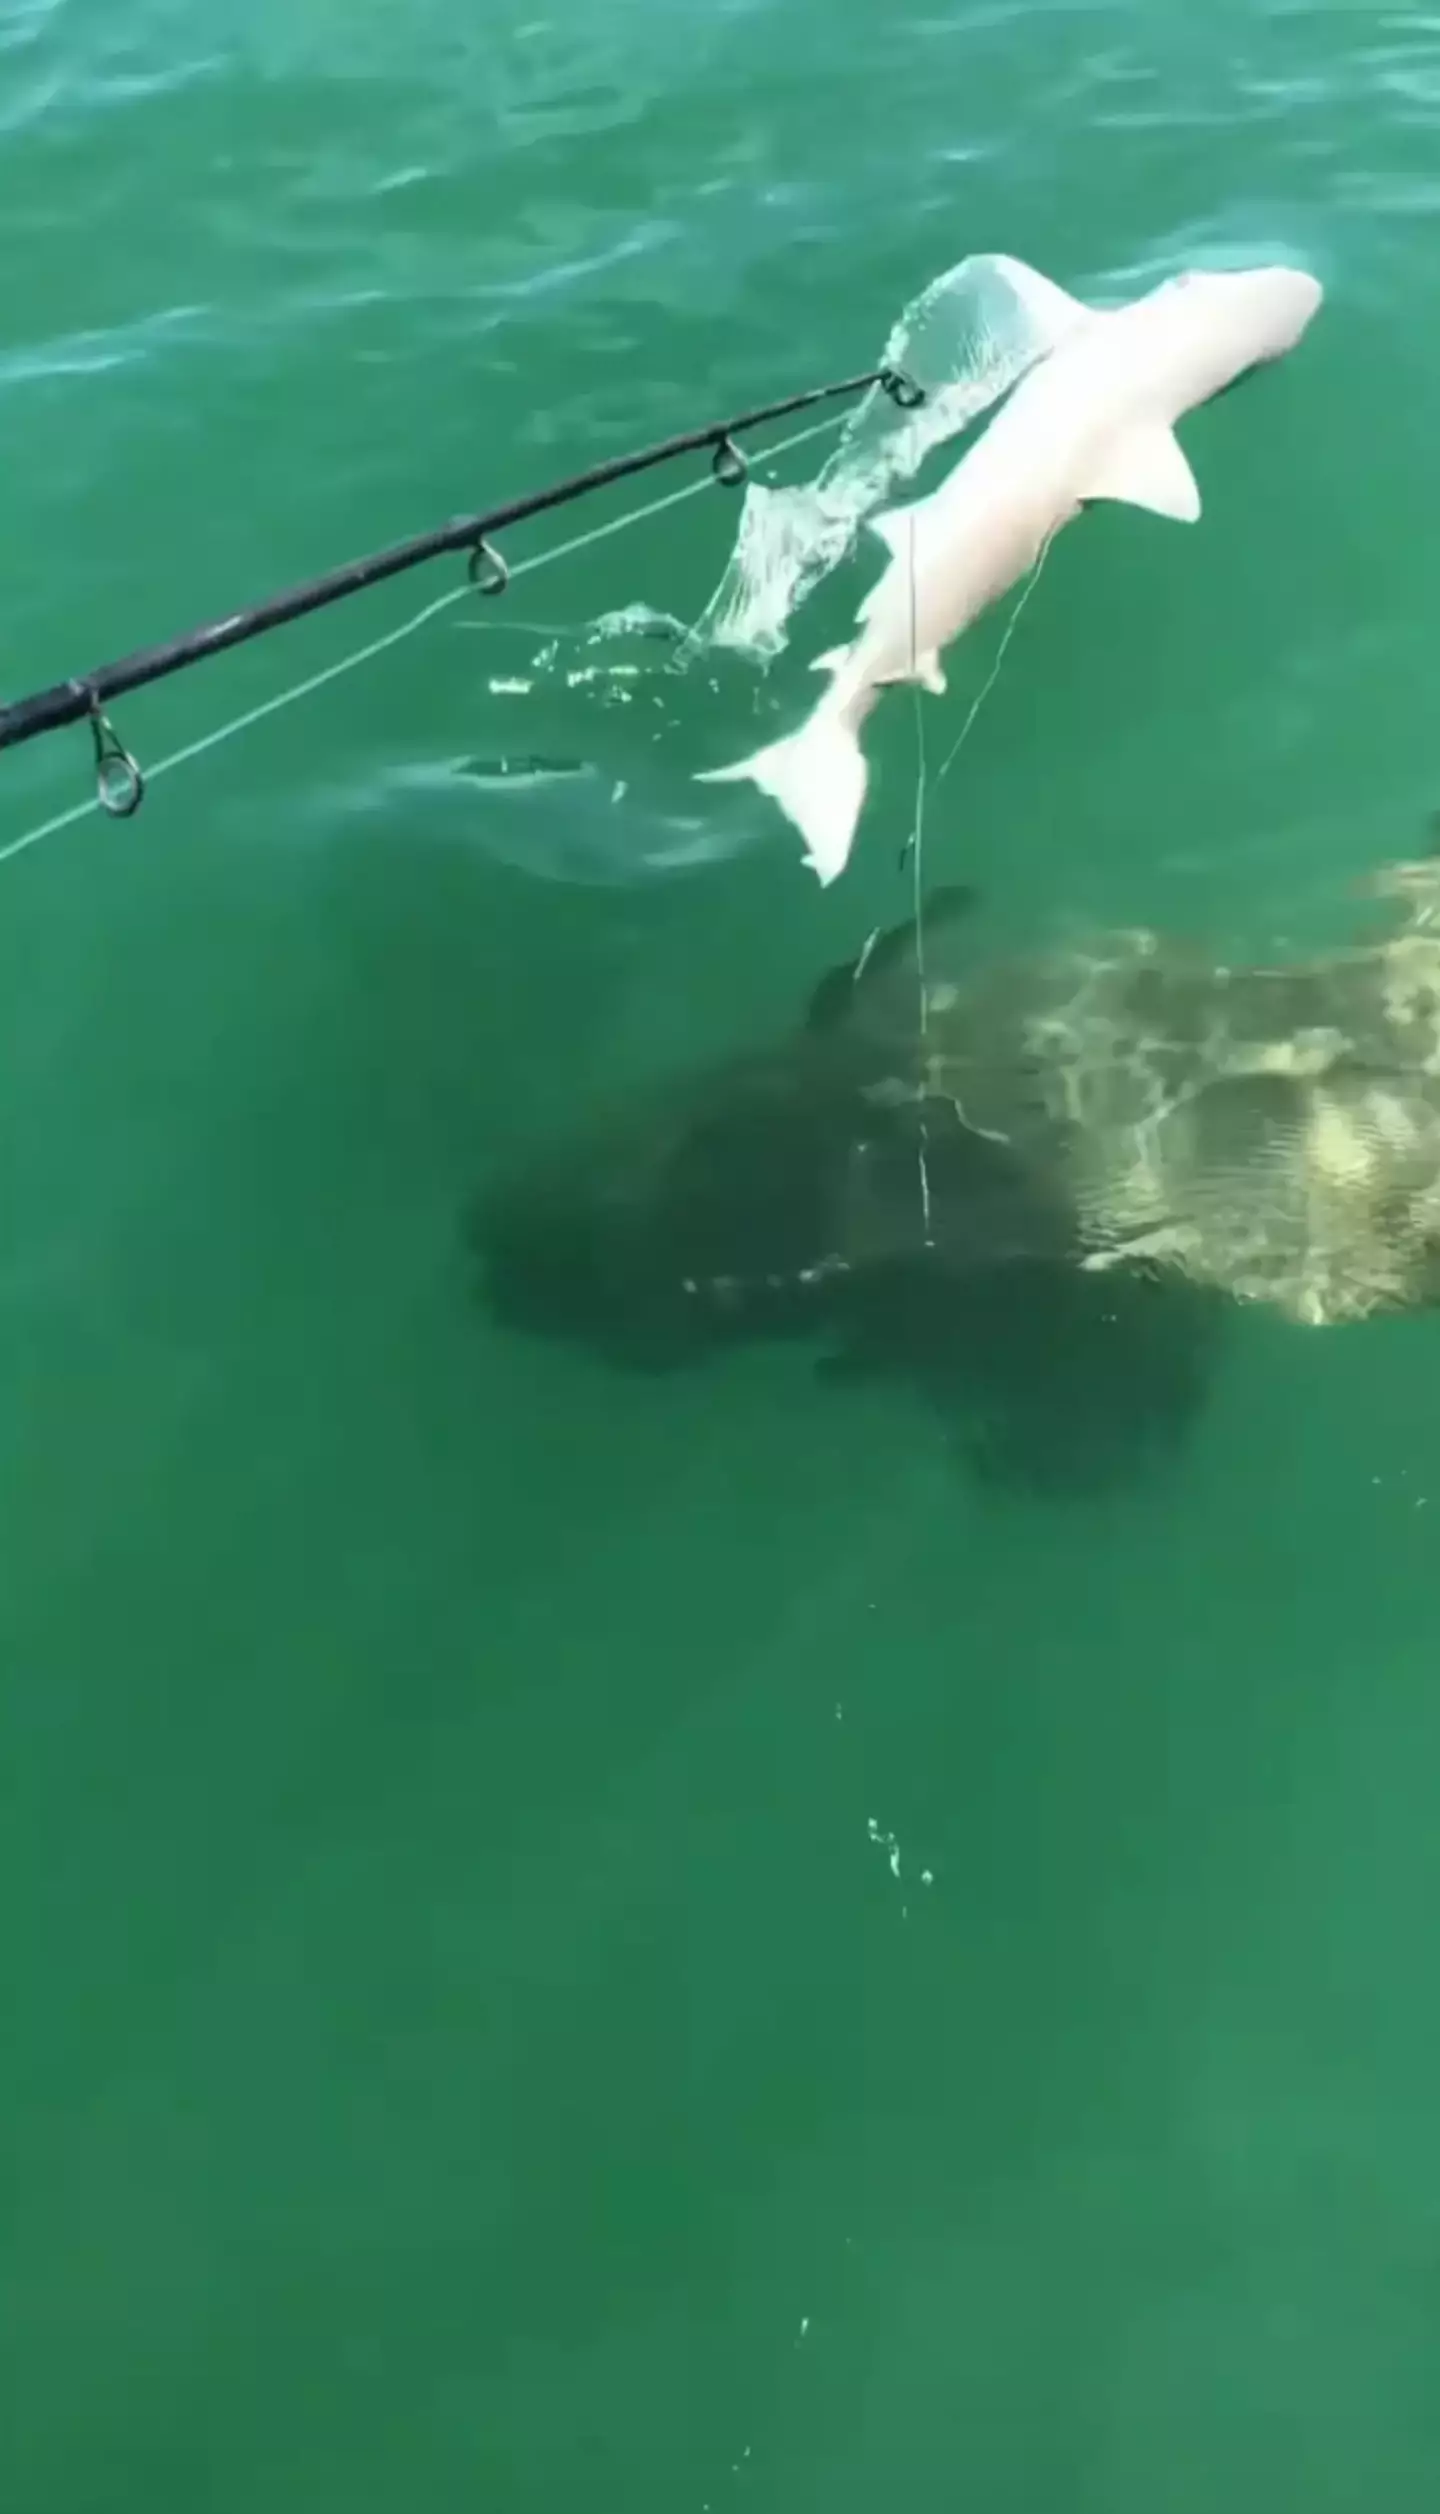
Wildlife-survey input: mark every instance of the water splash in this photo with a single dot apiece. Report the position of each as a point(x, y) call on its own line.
point(591, 780)
point(967, 338)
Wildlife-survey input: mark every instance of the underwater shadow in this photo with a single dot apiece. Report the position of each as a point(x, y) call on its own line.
point(712, 1217)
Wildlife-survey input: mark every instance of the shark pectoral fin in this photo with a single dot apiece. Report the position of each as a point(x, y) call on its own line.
point(1145, 467)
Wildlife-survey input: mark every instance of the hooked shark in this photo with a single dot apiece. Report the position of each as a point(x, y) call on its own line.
point(1092, 419)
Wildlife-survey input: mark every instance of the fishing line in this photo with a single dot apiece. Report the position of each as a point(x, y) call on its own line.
point(993, 676)
point(396, 637)
point(915, 845)
point(917, 850)
point(83, 698)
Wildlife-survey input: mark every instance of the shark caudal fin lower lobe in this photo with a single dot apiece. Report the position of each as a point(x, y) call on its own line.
point(818, 777)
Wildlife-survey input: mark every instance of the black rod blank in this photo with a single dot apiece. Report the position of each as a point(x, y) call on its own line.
point(69, 702)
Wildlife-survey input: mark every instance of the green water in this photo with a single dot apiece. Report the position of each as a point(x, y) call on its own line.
point(465, 2040)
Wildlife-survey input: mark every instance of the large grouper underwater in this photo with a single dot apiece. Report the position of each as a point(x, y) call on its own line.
point(1033, 1184)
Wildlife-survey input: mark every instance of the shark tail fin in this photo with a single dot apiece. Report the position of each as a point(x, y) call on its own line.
point(818, 778)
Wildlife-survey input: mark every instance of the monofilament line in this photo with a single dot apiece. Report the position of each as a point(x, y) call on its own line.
point(1011, 625)
point(917, 852)
point(395, 637)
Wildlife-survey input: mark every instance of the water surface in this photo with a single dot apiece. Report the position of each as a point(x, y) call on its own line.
point(591, 1940)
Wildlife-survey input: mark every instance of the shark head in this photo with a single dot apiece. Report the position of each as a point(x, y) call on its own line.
point(1270, 307)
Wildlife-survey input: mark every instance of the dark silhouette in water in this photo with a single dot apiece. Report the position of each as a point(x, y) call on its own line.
point(1042, 1378)
point(807, 1193)
point(1028, 1187)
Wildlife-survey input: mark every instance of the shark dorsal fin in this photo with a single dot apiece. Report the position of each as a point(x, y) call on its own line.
point(1052, 312)
point(834, 997)
point(1145, 467)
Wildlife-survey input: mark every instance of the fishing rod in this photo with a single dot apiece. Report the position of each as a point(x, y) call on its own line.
point(120, 782)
